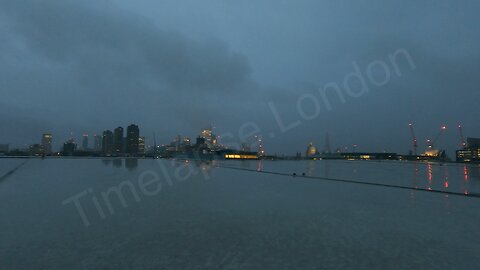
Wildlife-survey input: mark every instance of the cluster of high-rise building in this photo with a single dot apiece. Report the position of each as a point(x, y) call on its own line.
point(44, 147)
point(128, 143)
point(206, 145)
point(110, 143)
point(116, 143)
point(119, 143)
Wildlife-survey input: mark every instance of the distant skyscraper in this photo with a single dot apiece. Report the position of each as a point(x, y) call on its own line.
point(210, 138)
point(47, 143)
point(141, 145)
point(107, 143)
point(133, 136)
point(69, 148)
point(36, 149)
point(97, 142)
point(85, 142)
point(118, 141)
point(200, 141)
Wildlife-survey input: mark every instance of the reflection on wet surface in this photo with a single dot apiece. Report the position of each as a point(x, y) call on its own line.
point(208, 216)
point(131, 163)
point(431, 176)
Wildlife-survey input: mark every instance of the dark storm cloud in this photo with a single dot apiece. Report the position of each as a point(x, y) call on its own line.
point(105, 46)
point(63, 58)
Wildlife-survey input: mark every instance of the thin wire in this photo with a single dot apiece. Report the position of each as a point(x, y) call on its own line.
point(12, 171)
point(473, 195)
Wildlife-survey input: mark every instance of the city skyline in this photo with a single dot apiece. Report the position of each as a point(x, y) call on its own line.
point(272, 134)
point(120, 141)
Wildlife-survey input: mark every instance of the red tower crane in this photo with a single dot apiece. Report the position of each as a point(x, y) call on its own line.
point(414, 139)
point(463, 143)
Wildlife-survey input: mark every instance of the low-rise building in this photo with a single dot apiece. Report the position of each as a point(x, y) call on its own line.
point(471, 153)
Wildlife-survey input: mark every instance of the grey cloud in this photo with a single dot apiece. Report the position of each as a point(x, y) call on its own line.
point(65, 57)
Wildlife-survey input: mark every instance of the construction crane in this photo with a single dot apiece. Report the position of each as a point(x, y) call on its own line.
point(252, 141)
point(414, 139)
point(431, 143)
point(463, 143)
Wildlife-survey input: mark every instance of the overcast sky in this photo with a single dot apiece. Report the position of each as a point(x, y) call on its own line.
point(176, 66)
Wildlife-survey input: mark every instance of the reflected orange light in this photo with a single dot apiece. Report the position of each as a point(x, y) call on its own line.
point(430, 173)
point(238, 156)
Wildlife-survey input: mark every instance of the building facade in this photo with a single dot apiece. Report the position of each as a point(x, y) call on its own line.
point(471, 153)
point(69, 148)
point(85, 142)
point(97, 143)
point(133, 137)
point(118, 141)
point(107, 143)
point(141, 146)
point(47, 139)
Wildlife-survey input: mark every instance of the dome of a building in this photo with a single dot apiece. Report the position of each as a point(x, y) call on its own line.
point(311, 150)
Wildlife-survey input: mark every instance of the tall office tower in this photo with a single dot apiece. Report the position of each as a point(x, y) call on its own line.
point(118, 141)
point(210, 138)
point(69, 148)
point(107, 143)
point(133, 135)
point(141, 145)
point(200, 142)
point(97, 142)
point(47, 143)
point(177, 142)
point(85, 142)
